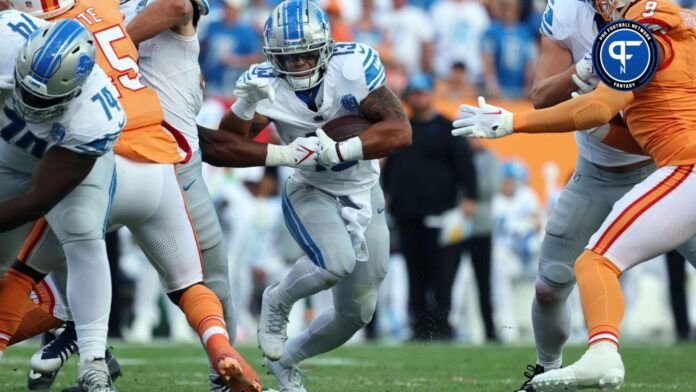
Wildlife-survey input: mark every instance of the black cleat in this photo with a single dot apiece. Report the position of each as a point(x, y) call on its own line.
point(530, 373)
point(39, 381)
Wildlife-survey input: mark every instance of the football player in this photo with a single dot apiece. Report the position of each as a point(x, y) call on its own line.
point(335, 210)
point(604, 172)
point(156, 219)
point(656, 214)
point(59, 121)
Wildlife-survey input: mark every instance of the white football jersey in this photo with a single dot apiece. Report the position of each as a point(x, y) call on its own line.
point(169, 64)
point(91, 125)
point(571, 24)
point(354, 71)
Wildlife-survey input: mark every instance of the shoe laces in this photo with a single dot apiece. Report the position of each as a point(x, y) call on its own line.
point(532, 371)
point(62, 346)
point(294, 376)
point(277, 320)
point(96, 378)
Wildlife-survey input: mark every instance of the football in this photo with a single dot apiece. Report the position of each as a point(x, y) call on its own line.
point(343, 128)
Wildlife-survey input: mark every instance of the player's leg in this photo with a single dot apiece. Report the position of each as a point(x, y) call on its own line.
point(79, 223)
point(209, 234)
point(354, 298)
point(579, 212)
point(315, 222)
point(654, 217)
point(168, 240)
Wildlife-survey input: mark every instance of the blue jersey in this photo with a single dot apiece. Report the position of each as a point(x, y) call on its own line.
point(512, 48)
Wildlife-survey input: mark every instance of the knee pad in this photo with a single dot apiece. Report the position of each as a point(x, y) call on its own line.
point(556, 273)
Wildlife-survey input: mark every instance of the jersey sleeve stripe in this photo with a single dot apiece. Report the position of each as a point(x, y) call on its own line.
point(370, 55)
point(377, 81)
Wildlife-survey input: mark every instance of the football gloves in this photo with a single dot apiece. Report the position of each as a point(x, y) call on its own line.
point(302, 153)
point(584, 76)
point(249, 94)
point(485, 121)
point(333, 153)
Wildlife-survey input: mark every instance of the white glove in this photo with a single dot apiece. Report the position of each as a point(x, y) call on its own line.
point(249, 94)
point(584, 76)
point(486, 121)
point(302, 153)
point(333, 153)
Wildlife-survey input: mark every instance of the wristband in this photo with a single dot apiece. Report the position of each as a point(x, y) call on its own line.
point(244, 109)
point(350, 150)
point(279, 155)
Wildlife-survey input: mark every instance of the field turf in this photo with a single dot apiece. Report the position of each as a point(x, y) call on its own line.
point(434, 367)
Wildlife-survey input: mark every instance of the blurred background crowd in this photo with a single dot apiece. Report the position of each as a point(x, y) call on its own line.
point(467, 218)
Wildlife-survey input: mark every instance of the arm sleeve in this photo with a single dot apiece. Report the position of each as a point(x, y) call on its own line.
point(584, 112)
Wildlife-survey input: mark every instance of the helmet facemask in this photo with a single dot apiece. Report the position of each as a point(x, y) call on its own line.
point(284, 60)
point(612, 10)
point(35, 108)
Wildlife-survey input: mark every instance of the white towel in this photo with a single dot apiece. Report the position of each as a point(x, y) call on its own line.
point(356, 211)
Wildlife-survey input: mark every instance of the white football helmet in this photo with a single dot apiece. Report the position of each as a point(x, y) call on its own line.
point(44, 9)
point(298, 29)
point(51, 69)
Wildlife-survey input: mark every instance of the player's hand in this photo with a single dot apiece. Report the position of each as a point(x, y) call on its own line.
point(485, 121)
point(301, 153)
point(584, 76)
point(254, 91)
point(328, 156)
point(306, 152)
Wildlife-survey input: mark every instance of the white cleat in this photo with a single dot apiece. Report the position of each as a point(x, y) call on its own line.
point(289, 378)
point(93, 376)
point(273, 323)
point(600, 368)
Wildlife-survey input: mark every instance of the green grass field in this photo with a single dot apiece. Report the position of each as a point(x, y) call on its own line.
point(432, 367)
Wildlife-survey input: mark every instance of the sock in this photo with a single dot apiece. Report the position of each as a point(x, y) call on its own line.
point(89, 295)
point(303, 280)
point(15, 288)
point(36, 320)
point(204, 314)
point(551, 321)
point(326, 332)
point(602, 300)
point(216, 275)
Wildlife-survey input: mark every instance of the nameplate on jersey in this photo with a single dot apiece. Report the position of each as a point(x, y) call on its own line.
point(625, 55)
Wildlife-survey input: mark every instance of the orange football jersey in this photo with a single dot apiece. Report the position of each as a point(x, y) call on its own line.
point(662, 115)
point(143, 138)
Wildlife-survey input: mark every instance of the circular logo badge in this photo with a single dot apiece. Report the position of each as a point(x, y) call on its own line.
point(624, 55)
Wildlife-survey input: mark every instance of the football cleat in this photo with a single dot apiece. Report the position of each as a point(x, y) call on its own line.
point(531, 372)
point(39, 381)
point(289, 378)
point(600, 367)
point(93, 376)
point(54, 354)
point(273, 323)
point(111, 363)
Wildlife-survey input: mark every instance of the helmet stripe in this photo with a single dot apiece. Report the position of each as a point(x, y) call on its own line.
point(293, 19)
point(48, 58)
point(49, 5)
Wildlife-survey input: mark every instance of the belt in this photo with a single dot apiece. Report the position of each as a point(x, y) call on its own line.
point(625, 168)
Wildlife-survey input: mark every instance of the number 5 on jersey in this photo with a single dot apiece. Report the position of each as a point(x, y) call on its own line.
point(129, 77)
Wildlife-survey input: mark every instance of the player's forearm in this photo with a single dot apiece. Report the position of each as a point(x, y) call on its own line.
point(385, 137)
point(158, 17)
point(230, 149)
point(584, 112)
point(24, 209)
point(553, 89)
